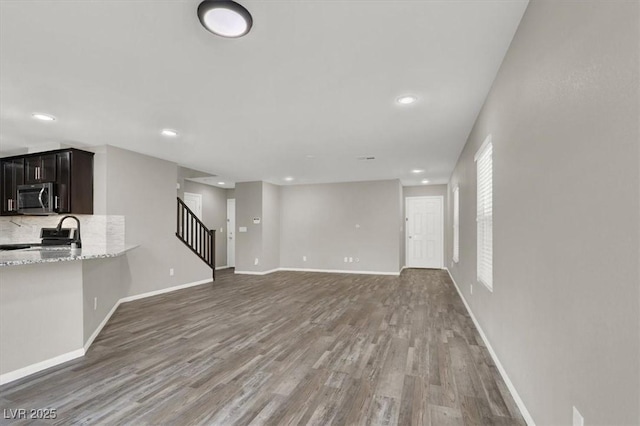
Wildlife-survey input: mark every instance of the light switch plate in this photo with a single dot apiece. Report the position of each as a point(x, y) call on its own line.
point(242, 229)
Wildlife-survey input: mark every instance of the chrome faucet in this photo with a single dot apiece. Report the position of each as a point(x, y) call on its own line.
point(76, 237)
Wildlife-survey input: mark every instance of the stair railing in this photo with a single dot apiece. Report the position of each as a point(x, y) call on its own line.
point(195, 235)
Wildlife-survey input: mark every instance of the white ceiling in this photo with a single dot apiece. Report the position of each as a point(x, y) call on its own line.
point(312, 78)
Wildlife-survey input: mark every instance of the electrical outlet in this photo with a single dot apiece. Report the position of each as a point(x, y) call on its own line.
point(346, 259)
point(95, 303)
point(221, 230)
point(304, 258)
point(578, 420)
point(471, 288)
point(351, 260)
point(256, 261)
point(171, 272)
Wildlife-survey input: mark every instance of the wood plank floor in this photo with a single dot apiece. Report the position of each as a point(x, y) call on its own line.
point(282, 349)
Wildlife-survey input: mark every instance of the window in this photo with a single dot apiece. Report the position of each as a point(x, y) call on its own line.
point(484, 218)
point(456, 224)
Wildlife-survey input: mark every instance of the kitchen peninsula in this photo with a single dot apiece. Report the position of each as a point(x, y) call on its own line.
point(55, 300)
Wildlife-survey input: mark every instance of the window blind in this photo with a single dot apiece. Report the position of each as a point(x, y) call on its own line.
point(456, 224)
point(484, 217)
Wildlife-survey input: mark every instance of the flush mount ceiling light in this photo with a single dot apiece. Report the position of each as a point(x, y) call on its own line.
point(225, 18)
point(288, 178)
point(417, 171)
point(220, 183)
point(169, 133)
point(406, 100)
point(43, 117)
point(424, 181)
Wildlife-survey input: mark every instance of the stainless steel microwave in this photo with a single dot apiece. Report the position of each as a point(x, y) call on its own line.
point(38, 198)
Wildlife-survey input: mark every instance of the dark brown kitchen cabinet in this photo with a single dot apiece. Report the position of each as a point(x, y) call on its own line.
point(74, 181)
point(40, 168)
point(71, 170)
point(12, 176)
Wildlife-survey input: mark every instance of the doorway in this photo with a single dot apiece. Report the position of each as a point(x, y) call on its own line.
point(231, 230)
point(424, 232)
point(194, 202)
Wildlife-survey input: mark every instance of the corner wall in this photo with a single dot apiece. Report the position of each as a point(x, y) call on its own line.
point(143, 189)
point(563, 111)
point(248, 244)
point(214, 214)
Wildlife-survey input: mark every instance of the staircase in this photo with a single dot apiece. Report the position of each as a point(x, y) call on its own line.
point(195, 235)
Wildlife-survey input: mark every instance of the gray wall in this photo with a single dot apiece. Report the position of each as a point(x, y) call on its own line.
point(143, 189)
point(40, 313)
point(104, 279)
point(270, 226)
point(563, 111)
point(248, 244)
point(214, 214)
point(319, 221)
point(426, 191)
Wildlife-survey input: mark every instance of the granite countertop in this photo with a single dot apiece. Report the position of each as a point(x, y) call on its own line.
point(60, 254)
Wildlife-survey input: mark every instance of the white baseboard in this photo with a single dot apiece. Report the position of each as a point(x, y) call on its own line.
point(503, 372)
point(162, 291)
point(339, 271)
point(257, 272)
point(89, 341)
point(222, 267)
point(39, 366)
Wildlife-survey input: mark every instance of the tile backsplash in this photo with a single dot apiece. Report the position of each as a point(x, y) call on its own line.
point(97, 230)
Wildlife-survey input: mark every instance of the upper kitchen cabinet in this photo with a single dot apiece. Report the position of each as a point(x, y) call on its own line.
point(40, 168)
point(74, 181)
point(12, 173)
point(70, 170)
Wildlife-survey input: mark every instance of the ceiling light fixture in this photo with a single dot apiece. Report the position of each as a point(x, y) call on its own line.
point(220, 183)
point(288, 178)
point(417, 171)
point(169, 132)
point(225, 18)
point(43, 117)
point(406, 100)
point(425, 181)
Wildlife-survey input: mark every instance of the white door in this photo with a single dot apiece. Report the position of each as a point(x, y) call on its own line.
point(231, 230)
point(425, 232)
point(194, 202)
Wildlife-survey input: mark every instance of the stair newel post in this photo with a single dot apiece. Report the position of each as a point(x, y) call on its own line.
point(212, 251)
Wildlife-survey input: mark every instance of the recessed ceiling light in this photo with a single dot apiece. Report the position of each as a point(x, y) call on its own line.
point(406, 100)
point(220, 183)
point(43, 117)
point(425, 181)
point(288, 178)
point(225, 18)
point(417, 171)
point(169, 132)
